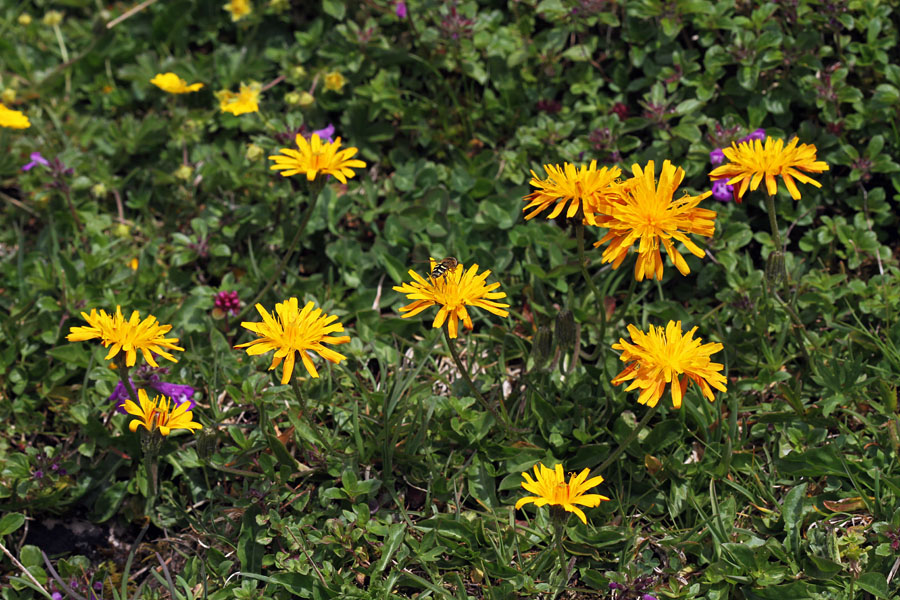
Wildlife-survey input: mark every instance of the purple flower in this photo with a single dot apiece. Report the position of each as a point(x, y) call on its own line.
point(56, 596)
point(648, 597)
point(717, 156)
point(400, 9)
point(759, 134)
point(616, 586)
point(147, 379)
point(36, 159)
point(38, 474)
point(325, 134)
point(722, 191)
point(229, 302)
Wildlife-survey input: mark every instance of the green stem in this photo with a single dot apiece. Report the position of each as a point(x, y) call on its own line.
point(316, 189)
point(151, 441)
point(465, 373)
point(123, 377)
point(296, 388)
point(626, 442)
point(773, 222)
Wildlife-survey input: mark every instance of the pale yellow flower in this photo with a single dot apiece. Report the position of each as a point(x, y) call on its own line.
point(172, 83)
point(238, 9)
point(246, 101)
point(334, 81)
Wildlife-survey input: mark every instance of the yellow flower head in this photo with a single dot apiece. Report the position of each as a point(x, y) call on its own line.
point(238, 9)
point(750, 161)
point(13, 118)
point(587, 189)
point(160, 414)
point(172, 83)
point(52, 18)
point(454, 290)
point(131, 335)
point(550, 487)
point(294, 330)
point(314, 156)
point(246, 101)
point(648, 213)
point(334, 81)
point(24, 20)
point(134, 263)
point(664, 356)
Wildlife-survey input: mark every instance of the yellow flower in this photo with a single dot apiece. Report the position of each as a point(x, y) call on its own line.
point(172, 83)
point(130, 335)
point(8, 96)
point(246, 101)
point(587, 189)
point(551, 488)
point(314, 156)
point(184, 172)
point(238, 9)
point(648, 214)
point(294, 331)
point(160, 414)
point(52, 18)
point(454, 290)
point(133, 264)
point(13, 118)
point(334, 81)
point(306, 99)
point(751, 161)
point(24, 20)
point(666, 356)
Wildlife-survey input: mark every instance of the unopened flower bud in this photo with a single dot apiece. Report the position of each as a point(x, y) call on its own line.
point(24, 19)
point(565, 329)
point(8, 96)
point(775, 273)
point(293, 98)
point(542, 346)
point(122, 230)
point(52, 18)
point(306, 99)
point(298, 71)
point(253, 152)
point(98, 190)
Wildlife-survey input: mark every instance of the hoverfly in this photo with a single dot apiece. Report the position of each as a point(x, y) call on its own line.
point(447, 265)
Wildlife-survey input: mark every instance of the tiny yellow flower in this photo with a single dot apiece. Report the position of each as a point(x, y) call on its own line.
point(313, 157)
point(647, 214)
point(128, 336)
point(172, 83)
point(666, 356)
point(8, 96)
point(334, 81)
point(160, 414)
point(245, 101)
point(184, 172)
point(550, 487)
point(52, 18)
point(98, 190)
point(133, 264)
point(751, 162)
point(294, 331)
point(254, 152)
point(454, 290)
point(13, 118)
point(238, 9)
point(24, 20)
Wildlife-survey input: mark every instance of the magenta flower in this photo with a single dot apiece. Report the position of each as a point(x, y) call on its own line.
point(717, 156)
point(229, 302)
point(325, 134)
point(759, 134)
point(36, 159)
point(400, 9)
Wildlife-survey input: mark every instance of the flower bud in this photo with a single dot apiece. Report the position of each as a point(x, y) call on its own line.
point(122, 230)
point(293, 98)
point(8, 96)
point(52, 18)
point(184, 172)
point(542, 346)
point(98, 190)
point(24, 19)
point(775, 273)
point(298, 71)
point(565, 329)
point(306, 99)
point(253, 152)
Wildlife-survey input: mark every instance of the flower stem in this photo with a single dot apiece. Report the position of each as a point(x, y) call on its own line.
point(299, 396)
point(626, 442)
point(465, 374)
point(151, 441)
point(776, 234)
point(316, 190)
point(123, 377)
point(559, 518)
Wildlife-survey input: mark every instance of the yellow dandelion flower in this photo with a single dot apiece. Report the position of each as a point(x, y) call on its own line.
point(649, 214)
point(314, 157)
point(13, 118)
point(666, 356)
point(134, 263)
point(238, 9)
point(334, 81)
point(295, 330)
point(160, 414)
point(454, 290)
point(587, 189)
point(245, 101)
point(172, 83)
point(128, 336)
point(750, 162)
point(550, 487)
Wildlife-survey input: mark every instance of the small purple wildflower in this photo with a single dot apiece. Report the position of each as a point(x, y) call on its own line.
point(648, 597)
point(400, 9)
point(148, 377)
point(717, 156)
point(38, 474)
point(722, 191)
point(98, 586)
point(325, 135)
point(228, 301)
point(616, 586)
point(759, 134)
point(36, 159)
point(56, 596)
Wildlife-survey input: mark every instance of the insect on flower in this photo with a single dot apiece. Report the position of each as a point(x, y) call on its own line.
point(447, 265)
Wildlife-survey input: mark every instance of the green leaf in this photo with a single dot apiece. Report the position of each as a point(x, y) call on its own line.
point(874, 583)
point(334, 8)
point(11, 522)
